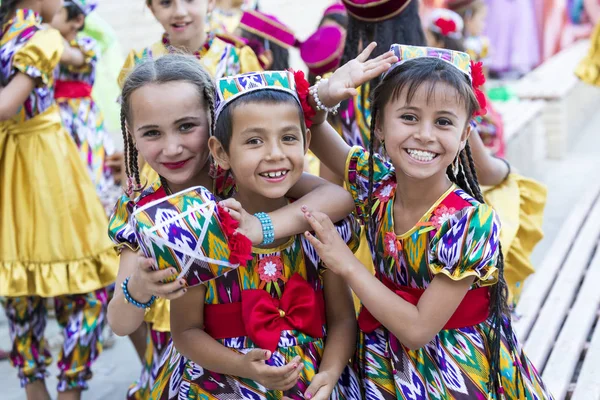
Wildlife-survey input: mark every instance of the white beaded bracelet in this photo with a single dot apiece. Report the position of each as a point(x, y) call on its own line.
point(314, 91)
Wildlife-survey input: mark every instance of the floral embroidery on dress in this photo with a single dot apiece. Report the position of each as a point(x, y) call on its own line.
point(270, 268)
point(385, 191)
point(442, 214)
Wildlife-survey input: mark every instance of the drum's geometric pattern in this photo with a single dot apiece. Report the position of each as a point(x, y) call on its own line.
point(184, 231)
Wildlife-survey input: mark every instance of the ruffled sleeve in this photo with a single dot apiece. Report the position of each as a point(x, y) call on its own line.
point(467, 244)
point(120, 229)
point(357, 179)
point(40, 55)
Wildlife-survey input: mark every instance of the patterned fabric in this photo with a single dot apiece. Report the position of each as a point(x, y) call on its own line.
point(457, 237)
point(458, 59)
point(181, 378)
point(478, 48)
point(156, 344)
point(184, 231)
point(355, 116)
point(26, 48)
point(81, 317)
point(86, 6)
point(84, 120)
point(230, 88)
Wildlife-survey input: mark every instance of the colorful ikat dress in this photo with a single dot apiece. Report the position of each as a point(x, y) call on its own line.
point(290, 276)
point(457, 237)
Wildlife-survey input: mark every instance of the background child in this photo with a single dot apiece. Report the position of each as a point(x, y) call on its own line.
point(273, 343)
point(44, 251)
point(177, 149)
point(435, 315)
point(81, 116)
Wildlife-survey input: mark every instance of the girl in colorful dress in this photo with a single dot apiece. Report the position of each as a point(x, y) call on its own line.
point(278, 325)
point(434, 322)
point(184, 24)
point(171, 133)
point(46, 195)
point(81, 116)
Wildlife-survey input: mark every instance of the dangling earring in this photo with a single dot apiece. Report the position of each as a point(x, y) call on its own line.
point(383, 150)
point(456, 166)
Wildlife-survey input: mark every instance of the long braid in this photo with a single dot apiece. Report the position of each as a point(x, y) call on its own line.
point(371, 225)
point(125, 141)
point(499, 312)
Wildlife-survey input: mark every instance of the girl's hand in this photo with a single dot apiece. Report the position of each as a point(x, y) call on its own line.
point(273, 378)
point(320, 387)
point(344, 81)
point(330, 246)
point(250, 225)
point(145, 282)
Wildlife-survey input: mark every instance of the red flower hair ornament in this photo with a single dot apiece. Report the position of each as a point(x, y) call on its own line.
point(446, 26)
point(302, 88)
point(477, 80)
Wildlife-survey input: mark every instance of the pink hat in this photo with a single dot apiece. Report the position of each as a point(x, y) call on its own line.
point(375, 10)
point(323, 50)
point(267, 27)
point(335, 8)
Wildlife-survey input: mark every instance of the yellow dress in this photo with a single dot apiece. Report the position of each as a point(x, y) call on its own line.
point(519, 202)
point(588, 69)
point(53, 228)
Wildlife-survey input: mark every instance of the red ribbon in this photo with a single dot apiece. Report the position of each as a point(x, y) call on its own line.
point(72, 90)
point(262, 318)
point(472, 310)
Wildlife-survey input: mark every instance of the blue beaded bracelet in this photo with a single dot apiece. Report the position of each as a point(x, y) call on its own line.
point(131, 300)
point(267, 228)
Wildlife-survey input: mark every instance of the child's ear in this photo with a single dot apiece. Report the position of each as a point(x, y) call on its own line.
point(218, 153)
point(465, 135)
point(79, 22)
point(379, 129)
point(307, 137)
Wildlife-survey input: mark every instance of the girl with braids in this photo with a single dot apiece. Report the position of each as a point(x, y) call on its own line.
point(168, 115)
point(52, 242)
point(434, 319)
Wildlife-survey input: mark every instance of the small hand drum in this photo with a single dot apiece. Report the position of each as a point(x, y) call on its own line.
point(184, 231)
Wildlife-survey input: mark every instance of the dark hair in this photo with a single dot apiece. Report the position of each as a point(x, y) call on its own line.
point(73, 12)
point(405, 28)
point(338, 18)
point(7, 9)
point(407, 78)
point(281, 55)
point(168, 68)
point(224, 125)
point(449, 42)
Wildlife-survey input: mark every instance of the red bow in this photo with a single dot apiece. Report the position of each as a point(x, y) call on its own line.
point(300, 308)
point(446, 26)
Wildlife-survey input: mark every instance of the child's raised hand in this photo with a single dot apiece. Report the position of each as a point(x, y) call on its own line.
point(145, 282)
point(250, 226)
point(344, 81)
point(273, 378)
point(328, 243)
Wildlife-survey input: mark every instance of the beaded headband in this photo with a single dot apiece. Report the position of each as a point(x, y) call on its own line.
point(233, 87)
point(458, 59)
